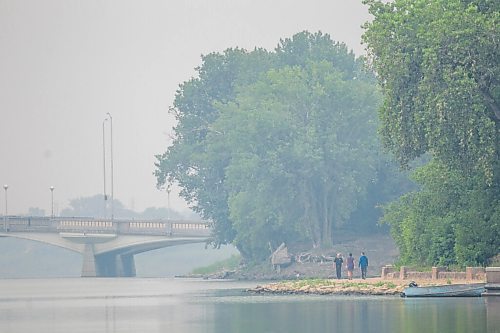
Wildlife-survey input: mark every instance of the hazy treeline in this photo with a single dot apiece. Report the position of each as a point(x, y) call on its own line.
point(96, 206)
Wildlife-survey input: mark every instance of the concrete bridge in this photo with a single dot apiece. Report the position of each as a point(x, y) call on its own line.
point(108, 246)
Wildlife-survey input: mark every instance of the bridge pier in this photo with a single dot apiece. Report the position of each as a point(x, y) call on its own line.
point(126, 265)
point(89, 268)
point(115, 265)
point(107, 265)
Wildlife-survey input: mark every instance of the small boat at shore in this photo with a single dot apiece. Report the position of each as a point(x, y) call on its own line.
point(450, 290)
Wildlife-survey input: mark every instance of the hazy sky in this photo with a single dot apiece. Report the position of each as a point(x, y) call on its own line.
point(65, 63)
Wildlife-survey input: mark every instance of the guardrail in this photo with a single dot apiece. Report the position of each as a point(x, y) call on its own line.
point(94, 225)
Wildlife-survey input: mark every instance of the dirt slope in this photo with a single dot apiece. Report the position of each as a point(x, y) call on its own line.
point(379, 248)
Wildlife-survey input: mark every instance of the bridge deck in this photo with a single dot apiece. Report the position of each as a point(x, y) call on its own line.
point(105, 226)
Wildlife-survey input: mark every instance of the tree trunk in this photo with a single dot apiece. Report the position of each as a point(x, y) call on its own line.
point(326, 239)
point(310, 208)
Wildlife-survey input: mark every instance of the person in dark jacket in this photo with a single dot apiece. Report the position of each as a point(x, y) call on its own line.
point(363, 264)
point(338, 261)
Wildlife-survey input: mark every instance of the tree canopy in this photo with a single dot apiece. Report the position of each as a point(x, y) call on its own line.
point(437, 64)
point(437, 61)
point(452, 220)
point(275, 146)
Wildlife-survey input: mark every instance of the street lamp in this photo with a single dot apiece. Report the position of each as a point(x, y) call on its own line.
point(168, 202)
point(111, 145)
point(52, 200)
point(104, 165)
point(5, 187)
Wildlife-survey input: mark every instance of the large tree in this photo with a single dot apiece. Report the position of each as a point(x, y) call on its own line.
point(437, 61)
point(275, 146)
point(201, 174)
point(302, 144)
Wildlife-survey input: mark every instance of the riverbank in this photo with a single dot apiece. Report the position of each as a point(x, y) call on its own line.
point(379, 248)
point(370, 286)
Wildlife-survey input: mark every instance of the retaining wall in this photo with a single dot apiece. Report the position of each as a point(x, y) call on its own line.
point(407, 273)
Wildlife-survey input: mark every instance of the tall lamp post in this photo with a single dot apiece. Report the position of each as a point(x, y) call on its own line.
point(52, 201)
point(168, 202)
point(5, 187)
point(111, 148)
point(104, 166)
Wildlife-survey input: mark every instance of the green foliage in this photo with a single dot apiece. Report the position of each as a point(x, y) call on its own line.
point(389, 285)
point(287, 135)
point(495, 261)
point(388, 184)
point(200, 173)
point(229, 264)
point(451, 220)
point(275, 146)
point(437, 62)
point(311, 282)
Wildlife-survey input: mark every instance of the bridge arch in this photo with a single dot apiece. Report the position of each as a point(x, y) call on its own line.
point(108, 247)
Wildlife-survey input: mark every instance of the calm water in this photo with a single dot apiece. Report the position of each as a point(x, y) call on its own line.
point(189, 306)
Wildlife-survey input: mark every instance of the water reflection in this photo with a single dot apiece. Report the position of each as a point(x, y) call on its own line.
point(354, 315)
point(493, 313)
point(166, 305)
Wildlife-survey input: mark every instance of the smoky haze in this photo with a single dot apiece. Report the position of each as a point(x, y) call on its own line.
point(65, 64)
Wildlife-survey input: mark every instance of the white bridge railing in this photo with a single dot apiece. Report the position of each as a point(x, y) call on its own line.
point(96, 225)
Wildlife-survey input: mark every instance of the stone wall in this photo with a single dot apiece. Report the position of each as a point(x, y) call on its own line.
point(475, 273)
point(452, 276)
point(493, 275)
point(407, 273)
point(493, 284)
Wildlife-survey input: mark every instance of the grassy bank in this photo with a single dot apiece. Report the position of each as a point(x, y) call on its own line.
point(229, 264)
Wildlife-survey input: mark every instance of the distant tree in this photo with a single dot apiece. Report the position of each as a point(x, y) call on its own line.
point(94, 206)
point(35, 211)
point(159, 213)
point(389, 183)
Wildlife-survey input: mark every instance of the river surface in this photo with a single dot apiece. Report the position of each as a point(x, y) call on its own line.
point(142, 305)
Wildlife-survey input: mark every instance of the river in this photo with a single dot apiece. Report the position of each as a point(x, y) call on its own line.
point(142, 305)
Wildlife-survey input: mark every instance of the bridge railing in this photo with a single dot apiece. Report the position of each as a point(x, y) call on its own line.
point(28, 223)
point(163, 227)
point(90, 225)
point(85, 225)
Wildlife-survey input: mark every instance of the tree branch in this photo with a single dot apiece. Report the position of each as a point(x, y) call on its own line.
point(491, 104)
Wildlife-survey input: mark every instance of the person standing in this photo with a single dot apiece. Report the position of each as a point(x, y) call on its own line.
point(338, 261)
point(350, 266)
point(363, 264)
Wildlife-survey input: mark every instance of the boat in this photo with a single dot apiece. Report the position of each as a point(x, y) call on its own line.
point(449, 290)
